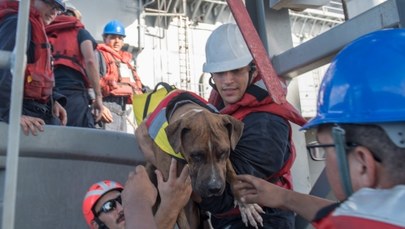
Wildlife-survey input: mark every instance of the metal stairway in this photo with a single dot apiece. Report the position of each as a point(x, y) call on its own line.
point(184, 53)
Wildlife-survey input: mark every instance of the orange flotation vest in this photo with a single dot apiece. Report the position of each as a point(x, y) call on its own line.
point(39, 79)
point(63, 30)
point(112, 83)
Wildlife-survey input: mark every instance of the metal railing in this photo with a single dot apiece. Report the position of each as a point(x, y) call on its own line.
point(16, 61)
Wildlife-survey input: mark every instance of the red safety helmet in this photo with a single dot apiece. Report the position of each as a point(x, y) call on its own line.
point(95, 192)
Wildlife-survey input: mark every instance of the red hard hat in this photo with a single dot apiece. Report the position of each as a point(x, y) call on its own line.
point(95, 192)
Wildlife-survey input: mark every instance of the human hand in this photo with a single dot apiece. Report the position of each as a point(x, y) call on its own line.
point(139, 188)
point(60, 112)
point(256, 190)
point(176, 191)
point(97, 108)
point(31, 124)
point(106, 115)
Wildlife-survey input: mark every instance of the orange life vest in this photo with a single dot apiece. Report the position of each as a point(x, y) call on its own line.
point(63, 30)
point(112, 83)
point(39, 79)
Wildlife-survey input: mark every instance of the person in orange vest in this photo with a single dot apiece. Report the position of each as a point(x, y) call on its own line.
point(265, 148)
point(119, 79)
point(40, 105)
point(360, 125)
point(76, 67)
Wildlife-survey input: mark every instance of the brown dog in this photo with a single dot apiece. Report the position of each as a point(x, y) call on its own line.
point(205, 140)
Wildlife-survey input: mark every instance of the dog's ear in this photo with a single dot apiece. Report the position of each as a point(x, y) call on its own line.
point(235, 129)
point(176, 131)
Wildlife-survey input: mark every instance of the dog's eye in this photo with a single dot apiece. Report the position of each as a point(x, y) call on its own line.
point(223, 155)
point(197, 157)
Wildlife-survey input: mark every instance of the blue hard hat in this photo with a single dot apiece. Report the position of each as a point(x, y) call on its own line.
point(365, 83)
point(114, 27)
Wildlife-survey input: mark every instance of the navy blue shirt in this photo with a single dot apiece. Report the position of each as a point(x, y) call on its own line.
point(8, 30)
point(69, 78)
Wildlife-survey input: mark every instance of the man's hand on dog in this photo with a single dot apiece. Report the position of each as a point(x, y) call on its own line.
point(139, 188)
point(174, 194)
point(176, 191)
point(250, 212)
point(138, 197)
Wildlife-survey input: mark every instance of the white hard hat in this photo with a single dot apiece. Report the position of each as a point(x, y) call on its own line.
point(226, 50)
point(73, 9)
point(70, 5)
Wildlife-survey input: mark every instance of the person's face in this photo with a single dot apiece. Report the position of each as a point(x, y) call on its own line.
point(331, 166)
point(113, 219)
point(231, 85)
point(48, 10)
point(114, 41)
point(365, 170)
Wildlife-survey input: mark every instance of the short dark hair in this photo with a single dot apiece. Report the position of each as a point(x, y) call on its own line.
point(377, 141)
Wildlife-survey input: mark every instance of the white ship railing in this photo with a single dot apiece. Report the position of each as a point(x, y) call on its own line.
point(17, 62)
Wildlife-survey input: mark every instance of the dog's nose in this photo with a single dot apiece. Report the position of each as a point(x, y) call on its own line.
point(214, 187)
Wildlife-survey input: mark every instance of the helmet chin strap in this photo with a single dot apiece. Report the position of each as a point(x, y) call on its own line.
point(338, 135)
point(251, 72)
point(212, 84)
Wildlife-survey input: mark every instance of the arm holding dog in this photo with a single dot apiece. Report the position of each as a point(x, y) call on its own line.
point(256, 190)
point(138, 197)
point(174, 193)
point(140, 194)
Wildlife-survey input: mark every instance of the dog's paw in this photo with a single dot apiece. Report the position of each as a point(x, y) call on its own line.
point(250, 214)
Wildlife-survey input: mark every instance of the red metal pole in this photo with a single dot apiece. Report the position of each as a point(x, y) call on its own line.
point(256, 48)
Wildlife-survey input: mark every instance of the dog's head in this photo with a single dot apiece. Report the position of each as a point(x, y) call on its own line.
point(206, 139)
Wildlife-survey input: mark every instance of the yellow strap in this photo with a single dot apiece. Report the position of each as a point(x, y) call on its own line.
point(163, 143)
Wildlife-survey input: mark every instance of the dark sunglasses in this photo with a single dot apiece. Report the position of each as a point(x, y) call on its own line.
point(109, 205)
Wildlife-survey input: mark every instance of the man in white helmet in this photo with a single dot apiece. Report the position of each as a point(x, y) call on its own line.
point(360, 127)
point(265, 149)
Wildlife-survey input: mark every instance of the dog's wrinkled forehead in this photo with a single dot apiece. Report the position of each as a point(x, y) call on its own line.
point(192, 111)
point(204, 122)
point(186, 98)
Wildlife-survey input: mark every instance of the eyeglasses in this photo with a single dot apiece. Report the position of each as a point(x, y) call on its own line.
point(54, 5)
point(109, 205)
point(318, 153)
